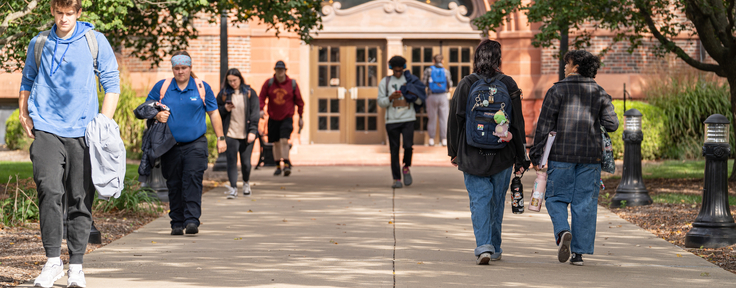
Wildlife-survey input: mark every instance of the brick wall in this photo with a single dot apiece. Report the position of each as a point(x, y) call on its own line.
point(619, 61)
point(205, 52)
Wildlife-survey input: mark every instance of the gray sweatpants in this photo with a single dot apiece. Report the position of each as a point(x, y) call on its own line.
point(437, 105)
point(61, 168)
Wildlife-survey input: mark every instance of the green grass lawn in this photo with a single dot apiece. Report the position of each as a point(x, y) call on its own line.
point(677, 169)
point(25, 170)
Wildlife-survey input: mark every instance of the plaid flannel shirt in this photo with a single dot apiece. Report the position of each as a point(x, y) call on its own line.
point(575, 107)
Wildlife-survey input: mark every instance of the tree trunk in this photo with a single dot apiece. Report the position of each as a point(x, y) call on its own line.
point(563, 49)
point(731, 76)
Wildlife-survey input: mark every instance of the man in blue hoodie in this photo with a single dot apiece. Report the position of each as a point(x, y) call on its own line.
point(58, 98)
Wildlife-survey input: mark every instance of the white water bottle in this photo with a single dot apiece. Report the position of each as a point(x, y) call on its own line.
point(540, 184)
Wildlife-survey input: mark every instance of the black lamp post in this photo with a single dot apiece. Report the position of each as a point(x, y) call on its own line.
point(714, 227)
point(631, 189)
point(221, 162)
point(156, 182)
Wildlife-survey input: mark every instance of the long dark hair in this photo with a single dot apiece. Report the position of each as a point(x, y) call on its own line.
point(487, 60)
point(226, 86)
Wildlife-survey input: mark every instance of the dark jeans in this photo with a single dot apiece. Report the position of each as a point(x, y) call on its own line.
point(61, 168)
point(183, 167)
point(395, 131)
point(235, 146)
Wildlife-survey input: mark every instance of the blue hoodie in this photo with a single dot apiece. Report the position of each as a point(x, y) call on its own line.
point(64, 100)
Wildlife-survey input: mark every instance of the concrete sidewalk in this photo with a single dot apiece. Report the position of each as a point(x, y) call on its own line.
point(343, 227)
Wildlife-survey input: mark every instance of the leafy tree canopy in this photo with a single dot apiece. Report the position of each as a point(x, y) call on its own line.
point(149, 27)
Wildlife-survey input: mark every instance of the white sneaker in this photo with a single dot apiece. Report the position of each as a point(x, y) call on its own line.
point(76, 278)
point(444, 142)
point(233, 193)
point(228, 188)
point(246, 189)
point(431, 141)
point(50, 273)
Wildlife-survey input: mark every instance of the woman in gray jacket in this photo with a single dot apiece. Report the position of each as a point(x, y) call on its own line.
point(238, 105)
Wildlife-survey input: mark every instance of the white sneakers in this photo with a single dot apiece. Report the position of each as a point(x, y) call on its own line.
point(444, 142)
point(51, 272)
point(76, 278)
point(431, 141)
point(233, 192)
point(246, 189)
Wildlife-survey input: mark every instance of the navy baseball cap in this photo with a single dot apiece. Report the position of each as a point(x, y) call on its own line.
point(280, 65)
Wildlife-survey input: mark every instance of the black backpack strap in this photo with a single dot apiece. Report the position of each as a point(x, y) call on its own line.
point(293, 86)
point(270, 82)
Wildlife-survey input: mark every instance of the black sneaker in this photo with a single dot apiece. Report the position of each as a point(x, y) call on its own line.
point(287, 170)
point(192, 228)
point(577, 259)
point(407, 176)
point(563, 253)
point(277, 172)
point(397, 184)
point(177, 231)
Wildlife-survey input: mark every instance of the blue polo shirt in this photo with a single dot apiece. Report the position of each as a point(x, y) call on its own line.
point(187, 120)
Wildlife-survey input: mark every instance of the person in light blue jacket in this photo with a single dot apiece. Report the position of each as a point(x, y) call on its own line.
point(58, 98)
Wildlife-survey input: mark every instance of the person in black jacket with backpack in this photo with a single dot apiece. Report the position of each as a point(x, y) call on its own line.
point(487, 171)
point(238, 105)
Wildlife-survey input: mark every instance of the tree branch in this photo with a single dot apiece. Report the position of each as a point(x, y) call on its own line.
point(729, 12)
point(671, 46)
point(15, 36)
point(12, 16)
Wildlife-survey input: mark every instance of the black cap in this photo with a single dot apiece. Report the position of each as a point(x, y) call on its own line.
point(280, 65)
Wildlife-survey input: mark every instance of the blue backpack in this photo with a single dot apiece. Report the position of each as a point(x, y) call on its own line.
point(486, 98)
point(437, 80)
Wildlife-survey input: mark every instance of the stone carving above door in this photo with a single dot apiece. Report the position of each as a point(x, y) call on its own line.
point(406, 17)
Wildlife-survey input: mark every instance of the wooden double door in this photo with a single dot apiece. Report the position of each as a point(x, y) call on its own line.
point(345, 77)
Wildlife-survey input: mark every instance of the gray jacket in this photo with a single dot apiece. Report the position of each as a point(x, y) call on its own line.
point(107, 156)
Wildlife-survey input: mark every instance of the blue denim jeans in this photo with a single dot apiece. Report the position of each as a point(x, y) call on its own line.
point(487, 196)
point(578, 186)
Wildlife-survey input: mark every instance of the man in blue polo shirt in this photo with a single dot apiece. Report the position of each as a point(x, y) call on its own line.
point(189, 99)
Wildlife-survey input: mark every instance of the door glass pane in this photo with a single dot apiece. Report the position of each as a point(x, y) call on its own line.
point(360, 76)
point(416, 71)
point(360, 55)
point(454, 55)
point(360, 123)
point(334, 72)
point(322, 54)
point(334, 123)
point(334, 105)
point(323, 78)
point(466, 55)
point(372, 107)
point(416, 55)
point(372, 76)
point(322, 106)
point(427, 54)
point(360, 106)
point(454, 73)
point(372, 124)
point(372, 55)
point(322, 123)
point(335, 54)
point(466, 72)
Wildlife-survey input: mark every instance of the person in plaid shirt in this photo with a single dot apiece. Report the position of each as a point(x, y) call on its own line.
point(575, 108)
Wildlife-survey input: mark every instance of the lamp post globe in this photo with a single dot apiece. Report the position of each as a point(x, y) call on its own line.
point(631, 190)
point(714, 227)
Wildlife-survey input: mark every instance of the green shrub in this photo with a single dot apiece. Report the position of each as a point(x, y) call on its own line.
point(686, 100)
point(133, 199)
point(15, 136)
point(653, 126)
point(20, 206)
